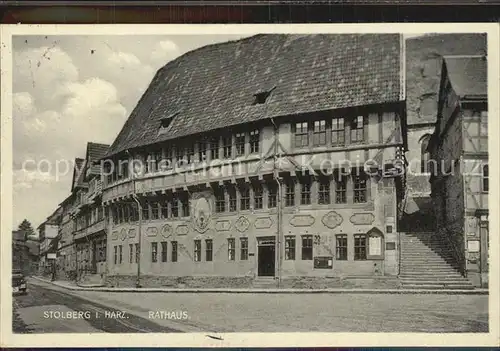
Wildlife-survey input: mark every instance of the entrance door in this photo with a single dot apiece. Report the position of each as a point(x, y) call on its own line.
point(266, 259)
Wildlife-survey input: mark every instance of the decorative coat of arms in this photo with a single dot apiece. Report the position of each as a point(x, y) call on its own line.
point(332, 219)
point(201, 212)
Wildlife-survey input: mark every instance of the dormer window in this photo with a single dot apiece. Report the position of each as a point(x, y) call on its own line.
point(262, 96)
point(166, 121)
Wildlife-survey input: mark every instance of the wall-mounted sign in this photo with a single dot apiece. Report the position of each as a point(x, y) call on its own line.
point(390, 245)
point(375, 245)
point(473, 246)
point(324, 262)
point(51, 256)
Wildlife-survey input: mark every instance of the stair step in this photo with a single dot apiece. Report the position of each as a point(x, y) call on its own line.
point(430, 274)
point(429, 278)
point(438, 286)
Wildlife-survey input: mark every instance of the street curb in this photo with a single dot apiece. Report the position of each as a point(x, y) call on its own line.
point(274, 291)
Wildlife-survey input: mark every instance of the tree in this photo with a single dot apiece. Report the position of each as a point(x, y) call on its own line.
point(26, 228)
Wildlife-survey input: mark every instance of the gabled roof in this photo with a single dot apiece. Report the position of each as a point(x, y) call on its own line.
point(467, 75)
point(78, 173)
point(214, 86)
point(95, 152)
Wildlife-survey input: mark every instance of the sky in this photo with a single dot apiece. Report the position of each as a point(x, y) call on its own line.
point(69, 90)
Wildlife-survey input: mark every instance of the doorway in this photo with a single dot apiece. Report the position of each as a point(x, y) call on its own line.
point(266, 258)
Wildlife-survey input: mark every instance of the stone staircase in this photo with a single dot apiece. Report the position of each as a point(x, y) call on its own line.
point(427, 263)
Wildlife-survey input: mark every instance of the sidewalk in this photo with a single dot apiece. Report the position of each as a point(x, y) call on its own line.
point(73, 286)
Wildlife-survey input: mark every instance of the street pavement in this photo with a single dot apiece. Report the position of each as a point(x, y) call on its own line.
point(226, 312)
point(45, 310)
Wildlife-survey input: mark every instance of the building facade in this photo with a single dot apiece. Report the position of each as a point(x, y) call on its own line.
point(273, 171)
point(424, 57)
point(459, 163)
point(90, 231)
point(48, 231)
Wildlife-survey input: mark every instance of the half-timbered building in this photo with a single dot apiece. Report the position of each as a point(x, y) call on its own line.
point(273, 156)
point(459, 164)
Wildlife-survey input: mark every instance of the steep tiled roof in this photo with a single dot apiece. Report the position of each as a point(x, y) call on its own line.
point(467, 75)
point(78, 173)
point(424, 57)
point(95, 151)
point(213, 87)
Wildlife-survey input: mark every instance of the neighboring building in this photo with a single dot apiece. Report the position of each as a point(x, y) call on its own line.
point(424, 57)
point(459, 163)
point(234, 125)
point(20, 251)
point(48, 232)
point(90, 234)
point(66, 251)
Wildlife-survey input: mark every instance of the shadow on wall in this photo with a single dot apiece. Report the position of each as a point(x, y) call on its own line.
point(418, 215)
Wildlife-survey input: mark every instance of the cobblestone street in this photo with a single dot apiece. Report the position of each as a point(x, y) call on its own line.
point(303, 312)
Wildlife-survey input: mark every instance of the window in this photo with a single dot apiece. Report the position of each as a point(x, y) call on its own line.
point(289, 248)
point(424, 154)
point(220, 202)
point(243, 249)
point(227, 145)
point(254, 141)
point(341, 247)
point(130, 253)
point(197, 250)
point(179, 155)
point(120, 249)
point(155, 211)
point(357, 129)
point(115, 251)
point(155, 160)
point(164, 251)
point(272, 195)
point(168, 160)
point(134, 213)
point(175, 206)
point(232, 199)
point(301, 135)
point(305, 192)
point(214, 148)
point(202, 151)
point(486, 181)
point(319, 133)
point(173, 244)
point(240, 144)
point(209, 247)
point(154, 252)
point(164, 210)
point(257, 196)
point(359, 183)
point(338, 131)
point(340, 187)
point(190, 153)
point(244, 198)
point(324, 191)
point(307, 247)
point(145, 211)
point(137, 253)
point(185, 204)
point(231, 249)
point(360, 247)
point(290, 193)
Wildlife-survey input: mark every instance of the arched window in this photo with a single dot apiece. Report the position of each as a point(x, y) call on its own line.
point(424, 153)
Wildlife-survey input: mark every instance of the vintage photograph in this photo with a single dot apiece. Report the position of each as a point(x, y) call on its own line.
point(263, 182)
